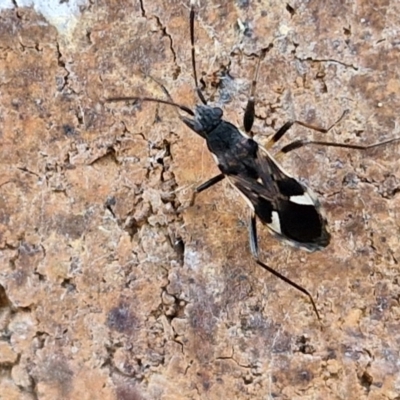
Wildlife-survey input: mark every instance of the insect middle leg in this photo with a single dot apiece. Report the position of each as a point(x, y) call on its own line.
point(284, 128)
point(301, 143)
point(254, 252)
point(296, 144)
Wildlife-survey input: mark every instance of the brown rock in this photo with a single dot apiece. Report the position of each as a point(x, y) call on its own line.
point(111, 289)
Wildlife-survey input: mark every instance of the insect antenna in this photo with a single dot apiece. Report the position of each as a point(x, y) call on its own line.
point(198, 91)
point(151, 99)
point(170, 101)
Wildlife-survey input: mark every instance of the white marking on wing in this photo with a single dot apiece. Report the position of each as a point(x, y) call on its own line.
point(244, 134)
point(215, 158)
point(303, 199)
point(275, 225)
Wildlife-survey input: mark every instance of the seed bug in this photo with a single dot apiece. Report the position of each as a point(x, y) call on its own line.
point(287, 207)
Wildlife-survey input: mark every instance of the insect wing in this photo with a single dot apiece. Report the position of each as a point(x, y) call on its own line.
point(287, 207)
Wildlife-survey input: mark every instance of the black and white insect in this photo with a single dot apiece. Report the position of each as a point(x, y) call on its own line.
point(286, 206)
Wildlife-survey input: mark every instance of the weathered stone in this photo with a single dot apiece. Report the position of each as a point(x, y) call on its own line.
point(110, 288)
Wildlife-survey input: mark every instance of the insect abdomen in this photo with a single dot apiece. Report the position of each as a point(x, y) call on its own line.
point(302, 224)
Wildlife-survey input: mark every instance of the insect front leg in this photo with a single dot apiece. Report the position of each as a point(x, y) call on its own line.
point(249, 113)
point(254, 252)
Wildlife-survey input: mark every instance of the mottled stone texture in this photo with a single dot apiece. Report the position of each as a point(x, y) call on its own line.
point(111, 289)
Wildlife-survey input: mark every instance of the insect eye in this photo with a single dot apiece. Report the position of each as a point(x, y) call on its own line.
point(218, 112)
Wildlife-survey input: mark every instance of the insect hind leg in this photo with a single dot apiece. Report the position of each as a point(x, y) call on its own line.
point(254, 252)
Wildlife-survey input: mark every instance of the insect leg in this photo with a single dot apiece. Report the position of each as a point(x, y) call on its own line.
point(254, 252)
point(301, 143)
point(249, 113)
point(198, 91)
point(283, 129)
point(206, 185)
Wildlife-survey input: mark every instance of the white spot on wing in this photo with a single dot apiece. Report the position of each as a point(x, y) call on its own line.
point(303, 199)
point(244, 134)
point(275, 225)
point(215, 158)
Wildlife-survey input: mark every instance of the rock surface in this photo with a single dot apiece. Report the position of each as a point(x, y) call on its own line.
point(111, 289)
